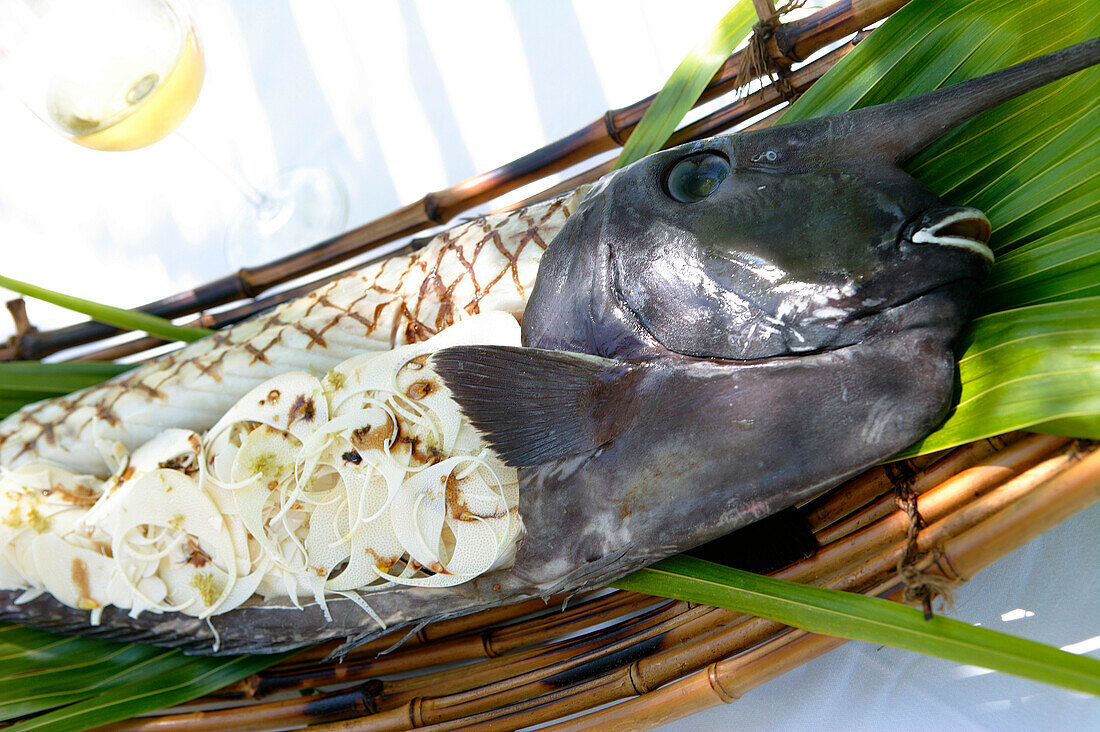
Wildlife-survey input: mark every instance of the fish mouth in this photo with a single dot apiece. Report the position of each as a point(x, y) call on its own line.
point(955, 226)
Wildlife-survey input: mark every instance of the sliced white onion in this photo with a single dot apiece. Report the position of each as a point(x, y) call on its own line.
point(75, 576)
point(294, 402)
point(296, 488)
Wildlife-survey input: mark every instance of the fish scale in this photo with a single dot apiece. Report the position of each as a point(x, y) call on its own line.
point(488, 263)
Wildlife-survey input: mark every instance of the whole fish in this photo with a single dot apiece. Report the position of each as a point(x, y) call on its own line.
point(701, 330)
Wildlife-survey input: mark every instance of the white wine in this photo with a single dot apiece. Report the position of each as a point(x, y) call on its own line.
point(123, 74)
point(132, 110)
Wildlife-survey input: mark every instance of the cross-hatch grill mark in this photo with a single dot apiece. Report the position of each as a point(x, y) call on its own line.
point(412, 296)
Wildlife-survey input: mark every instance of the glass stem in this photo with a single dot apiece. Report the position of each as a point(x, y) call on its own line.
point(266, 206)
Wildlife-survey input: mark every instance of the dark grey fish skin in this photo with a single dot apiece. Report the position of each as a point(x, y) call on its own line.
point(692, 367)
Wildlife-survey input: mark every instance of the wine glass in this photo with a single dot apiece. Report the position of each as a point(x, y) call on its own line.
point(123, 74)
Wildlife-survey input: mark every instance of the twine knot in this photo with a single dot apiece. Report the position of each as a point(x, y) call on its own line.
point(919, 586)
point(757, 61)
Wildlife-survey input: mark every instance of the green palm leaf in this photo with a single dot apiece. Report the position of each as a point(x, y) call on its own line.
point(686, 84)
point(24, 382)
point(118, 317)
point(1031, 164)
point(88, 683)
point(174, 680)
point(870, 619)
point(1037, 365)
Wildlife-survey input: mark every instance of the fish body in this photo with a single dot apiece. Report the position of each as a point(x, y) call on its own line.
point(701, 331)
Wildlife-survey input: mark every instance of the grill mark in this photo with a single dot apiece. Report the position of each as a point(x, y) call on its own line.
point(467, 242)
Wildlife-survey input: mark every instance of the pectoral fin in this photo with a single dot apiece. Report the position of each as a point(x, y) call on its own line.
point(535, 406)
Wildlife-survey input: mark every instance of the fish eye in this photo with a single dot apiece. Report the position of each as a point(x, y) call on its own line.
point(695, 177)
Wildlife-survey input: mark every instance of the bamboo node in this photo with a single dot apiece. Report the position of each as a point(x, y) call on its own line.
point(416, 713)
point(433, 210)
point(613, 129)
point(487, 644)
point(762, 57)
point(919, 586)
point(637, 679)
point(714, 678)
point(366, 697)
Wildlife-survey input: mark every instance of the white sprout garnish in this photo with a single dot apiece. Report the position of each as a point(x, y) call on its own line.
point(367, 479)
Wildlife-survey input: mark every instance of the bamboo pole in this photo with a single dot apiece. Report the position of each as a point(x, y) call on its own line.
point(1021, 520)
point(875, 556)
point(474, 622)
point(379, 697)
point(933, 501)
point(624, 682)
point(689, 638)
point(438, 207)
point(932, 469)
point(464, 694)
point(535, 663)
point(720, 683)
point(964, 458)
point(715, 122)
point(285, 714)
point(828, 25)
point(439, 645)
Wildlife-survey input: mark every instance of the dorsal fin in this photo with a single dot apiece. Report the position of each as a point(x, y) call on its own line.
point(535, 406)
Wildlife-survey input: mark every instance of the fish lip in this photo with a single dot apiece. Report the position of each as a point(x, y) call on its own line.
point(962, 227)
point(974, 281)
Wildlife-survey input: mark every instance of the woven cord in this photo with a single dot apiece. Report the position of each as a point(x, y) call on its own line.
point(758, 61)
point(919, 586)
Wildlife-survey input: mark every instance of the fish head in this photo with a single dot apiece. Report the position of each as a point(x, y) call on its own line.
point(753, 246)
point(729, 327)
point(803, 237)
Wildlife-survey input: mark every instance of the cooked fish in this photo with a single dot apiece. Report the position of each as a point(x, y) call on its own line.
point(340, 487)
point(487, 264)
point(700, 330)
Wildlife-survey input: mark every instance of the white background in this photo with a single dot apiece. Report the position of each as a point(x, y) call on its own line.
point(397, 99)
